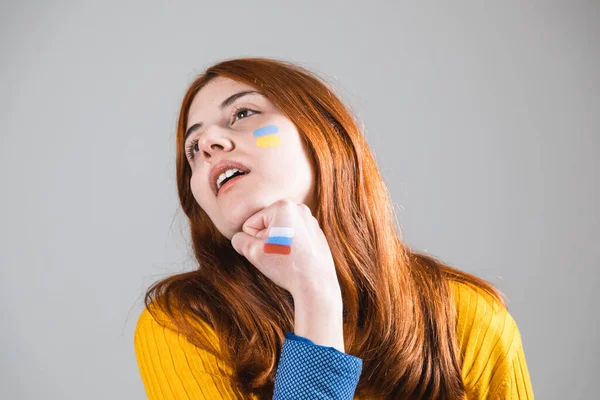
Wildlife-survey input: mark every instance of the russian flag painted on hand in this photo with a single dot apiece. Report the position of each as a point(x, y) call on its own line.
point(279, 241)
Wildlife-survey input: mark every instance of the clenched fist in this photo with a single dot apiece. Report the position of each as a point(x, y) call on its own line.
point(297, 257)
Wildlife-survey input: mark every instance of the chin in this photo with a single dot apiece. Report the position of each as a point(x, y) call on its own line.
point(237, 214)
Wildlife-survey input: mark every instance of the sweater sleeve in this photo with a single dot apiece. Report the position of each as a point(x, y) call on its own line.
point(173, 368)
point(310, 371)
point(493, 359)
point(516, 384)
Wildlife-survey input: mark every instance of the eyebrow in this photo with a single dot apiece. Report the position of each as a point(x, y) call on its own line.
point(227, 102)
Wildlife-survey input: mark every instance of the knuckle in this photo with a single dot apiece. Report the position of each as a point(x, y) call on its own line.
point(284, 202)
point(305, 208)
point(252, 252)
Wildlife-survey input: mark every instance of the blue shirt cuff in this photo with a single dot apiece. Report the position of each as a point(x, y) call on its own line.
point(310, 371)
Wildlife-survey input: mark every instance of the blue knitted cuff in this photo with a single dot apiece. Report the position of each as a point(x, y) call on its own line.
point(310, 371)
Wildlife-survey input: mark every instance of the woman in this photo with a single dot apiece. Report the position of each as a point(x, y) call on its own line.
point(304, 287)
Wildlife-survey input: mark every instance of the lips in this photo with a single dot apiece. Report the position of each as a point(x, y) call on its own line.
point(229, 183)
point(221, 167)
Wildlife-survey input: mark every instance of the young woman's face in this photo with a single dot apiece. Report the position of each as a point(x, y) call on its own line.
point(252, 131)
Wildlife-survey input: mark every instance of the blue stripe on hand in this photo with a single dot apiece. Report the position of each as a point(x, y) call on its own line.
point(286, 241)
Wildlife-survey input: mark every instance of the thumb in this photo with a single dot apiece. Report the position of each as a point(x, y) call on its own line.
point(247, 245)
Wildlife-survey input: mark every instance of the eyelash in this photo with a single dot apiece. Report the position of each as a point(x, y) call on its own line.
point(193, 143)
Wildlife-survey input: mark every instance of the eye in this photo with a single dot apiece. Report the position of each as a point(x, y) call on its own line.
point(190, 149)
point(239, 111)
point(192, 145)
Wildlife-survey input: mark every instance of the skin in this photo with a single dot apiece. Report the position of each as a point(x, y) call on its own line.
point(277, 171)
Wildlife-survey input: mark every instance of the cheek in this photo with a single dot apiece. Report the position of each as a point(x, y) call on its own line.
point(200, 191)
point(267, 136)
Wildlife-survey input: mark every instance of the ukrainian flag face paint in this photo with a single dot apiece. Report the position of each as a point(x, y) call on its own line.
point(279, 240)
point(267, 137)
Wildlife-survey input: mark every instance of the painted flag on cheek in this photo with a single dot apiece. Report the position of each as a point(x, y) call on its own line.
point(267, 136)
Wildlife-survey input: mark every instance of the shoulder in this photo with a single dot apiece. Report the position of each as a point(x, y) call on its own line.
point(474, 304)
point(488, 337)
point(153, 322)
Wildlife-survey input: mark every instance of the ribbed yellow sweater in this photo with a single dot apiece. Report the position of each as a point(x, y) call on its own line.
point(494, 364)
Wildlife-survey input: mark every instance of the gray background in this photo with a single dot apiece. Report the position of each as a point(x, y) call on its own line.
point(484, 119)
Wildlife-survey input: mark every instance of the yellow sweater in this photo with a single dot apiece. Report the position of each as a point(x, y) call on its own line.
point(494, 365)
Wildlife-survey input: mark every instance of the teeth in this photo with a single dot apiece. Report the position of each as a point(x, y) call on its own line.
point(226, 174)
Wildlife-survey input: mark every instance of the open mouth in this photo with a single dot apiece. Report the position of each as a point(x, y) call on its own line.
point(228, 182)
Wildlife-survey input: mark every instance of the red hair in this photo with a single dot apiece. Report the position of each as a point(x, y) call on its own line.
point(398, 309)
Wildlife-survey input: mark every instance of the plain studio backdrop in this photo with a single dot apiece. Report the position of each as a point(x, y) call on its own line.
point(484, 119)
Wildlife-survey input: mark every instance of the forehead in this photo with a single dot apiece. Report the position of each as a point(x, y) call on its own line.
point(206, 102)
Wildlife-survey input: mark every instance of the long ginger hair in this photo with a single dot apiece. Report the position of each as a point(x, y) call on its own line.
point(399, 315)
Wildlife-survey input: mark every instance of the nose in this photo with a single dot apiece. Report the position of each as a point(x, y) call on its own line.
point(213, 141)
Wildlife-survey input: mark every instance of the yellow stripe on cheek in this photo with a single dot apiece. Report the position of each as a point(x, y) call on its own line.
point(268, 141)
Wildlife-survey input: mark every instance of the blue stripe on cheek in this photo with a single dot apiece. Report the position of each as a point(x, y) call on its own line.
point(265, 130)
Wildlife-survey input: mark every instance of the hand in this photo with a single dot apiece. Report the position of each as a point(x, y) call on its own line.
point(309, 266)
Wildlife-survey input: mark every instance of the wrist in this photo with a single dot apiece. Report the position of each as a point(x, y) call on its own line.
point(312, 292)
point(318, 316)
